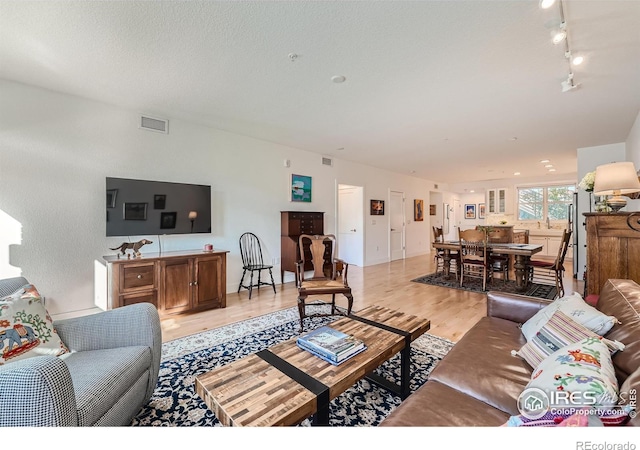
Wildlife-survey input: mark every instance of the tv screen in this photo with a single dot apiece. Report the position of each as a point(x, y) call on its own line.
point(139, 207)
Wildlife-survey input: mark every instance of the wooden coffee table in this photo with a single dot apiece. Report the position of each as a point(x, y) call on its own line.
point(284, 384)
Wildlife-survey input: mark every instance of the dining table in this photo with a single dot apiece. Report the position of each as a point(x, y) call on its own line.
point(521, 252)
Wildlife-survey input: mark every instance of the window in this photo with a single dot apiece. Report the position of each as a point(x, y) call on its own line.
point(540, 202)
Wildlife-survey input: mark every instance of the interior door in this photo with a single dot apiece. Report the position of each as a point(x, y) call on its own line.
point(351, 224)
point(396, 214)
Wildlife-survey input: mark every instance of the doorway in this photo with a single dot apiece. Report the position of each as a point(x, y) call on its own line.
point(351, 224)
point(396, 224)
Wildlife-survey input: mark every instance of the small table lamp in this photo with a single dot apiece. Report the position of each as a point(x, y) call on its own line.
point(616, 179)
point(193, 215)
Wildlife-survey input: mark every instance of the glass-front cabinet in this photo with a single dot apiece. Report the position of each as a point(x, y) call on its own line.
point(497, 201)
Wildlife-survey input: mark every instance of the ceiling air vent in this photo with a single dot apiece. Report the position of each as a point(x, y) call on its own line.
point(327, 161)
point(153, 124)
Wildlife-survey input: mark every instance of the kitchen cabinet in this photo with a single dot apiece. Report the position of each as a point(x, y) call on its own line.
point(174, 282)
point(497, 202)
point(550, 245)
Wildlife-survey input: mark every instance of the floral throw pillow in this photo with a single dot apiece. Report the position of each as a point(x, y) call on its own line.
point(26, 329)
point(559, 331)
point(575, 307)
point(578, 375)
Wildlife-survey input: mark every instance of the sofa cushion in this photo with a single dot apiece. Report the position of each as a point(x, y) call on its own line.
point(584, 367)
point(559, 331)
point(435, 404)
point(575, 307)
point(26, 329)
point(621, 298)
point(497, 377)
point(101, 377)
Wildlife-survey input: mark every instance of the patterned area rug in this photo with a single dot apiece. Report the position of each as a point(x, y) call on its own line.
point(475, 285)
point(175, 403)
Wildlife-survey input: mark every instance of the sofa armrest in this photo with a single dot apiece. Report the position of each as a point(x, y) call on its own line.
point(514, 307)
point(37, 391)
point(137, 324)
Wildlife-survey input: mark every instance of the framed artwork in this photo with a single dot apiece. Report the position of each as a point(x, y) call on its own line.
point(300, 188)
point(481, 210)
point(159, 201)
point(111, 198)
point(432, 210)
point(168, 219)
point(470, 211)
point(377, 207)
point(418, 210)
point(135, 211)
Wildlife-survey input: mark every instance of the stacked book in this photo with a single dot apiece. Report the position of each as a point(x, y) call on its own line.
point(331, 345)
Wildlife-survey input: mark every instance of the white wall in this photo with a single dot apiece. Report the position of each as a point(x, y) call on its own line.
point(633, 154)
point(57, 150)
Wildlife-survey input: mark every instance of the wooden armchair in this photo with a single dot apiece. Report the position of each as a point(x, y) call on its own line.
point(474, 256)
point(551, 272)
point(325, 280)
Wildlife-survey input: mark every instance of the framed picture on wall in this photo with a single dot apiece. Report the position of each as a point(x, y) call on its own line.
point(481, 210)
point(418, 210)
point(470, 211)
point(432, 210)
point(168, 219)
point(377, 207)
point(159, 201)
point(300, 188)
point(111, 198)
point(135, 211)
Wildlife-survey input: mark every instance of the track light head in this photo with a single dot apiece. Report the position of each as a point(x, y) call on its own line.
point(559, 34)
point(546, 4)
point(568, 84)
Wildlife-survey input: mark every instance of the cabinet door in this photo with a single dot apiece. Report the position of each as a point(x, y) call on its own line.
point(536, 240)
point(553, 246)
point(176, 285)
point(209, 284)
point(491, 201)
point(502, 201)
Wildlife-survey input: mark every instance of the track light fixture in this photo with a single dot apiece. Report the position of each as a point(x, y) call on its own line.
point(568, 84)
point(560, 35)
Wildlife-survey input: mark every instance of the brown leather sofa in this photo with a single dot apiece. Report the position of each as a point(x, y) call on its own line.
point(479, 381)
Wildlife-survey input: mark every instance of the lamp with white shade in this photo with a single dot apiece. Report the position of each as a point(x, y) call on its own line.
point(193, 215)
point(616, 179)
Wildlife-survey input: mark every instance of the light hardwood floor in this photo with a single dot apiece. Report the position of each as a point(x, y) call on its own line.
point(452, 312)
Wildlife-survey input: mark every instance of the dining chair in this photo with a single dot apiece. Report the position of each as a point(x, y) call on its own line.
point(551, 272)
point(474, 256)
point(251, 253)
point(325, 280)
point(438, 236)
point(499, 263)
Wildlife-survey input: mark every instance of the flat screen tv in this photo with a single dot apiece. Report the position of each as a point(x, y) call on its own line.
point(143, 207)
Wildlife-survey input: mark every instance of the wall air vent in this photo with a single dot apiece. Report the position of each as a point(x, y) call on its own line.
point(153, 124)
point(327, 161)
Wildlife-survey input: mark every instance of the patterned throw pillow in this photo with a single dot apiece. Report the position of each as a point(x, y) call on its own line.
point(26, 329)
point(578, 375)
point(559, 331)
point(575, 307)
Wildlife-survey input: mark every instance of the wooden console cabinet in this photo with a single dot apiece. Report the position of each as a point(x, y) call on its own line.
point(613, 248)
point(175, 282)
point(293, 224)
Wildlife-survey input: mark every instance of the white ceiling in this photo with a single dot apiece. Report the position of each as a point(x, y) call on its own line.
point(435, 87)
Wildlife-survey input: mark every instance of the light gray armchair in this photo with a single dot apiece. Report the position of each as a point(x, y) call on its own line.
point(108, 376)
